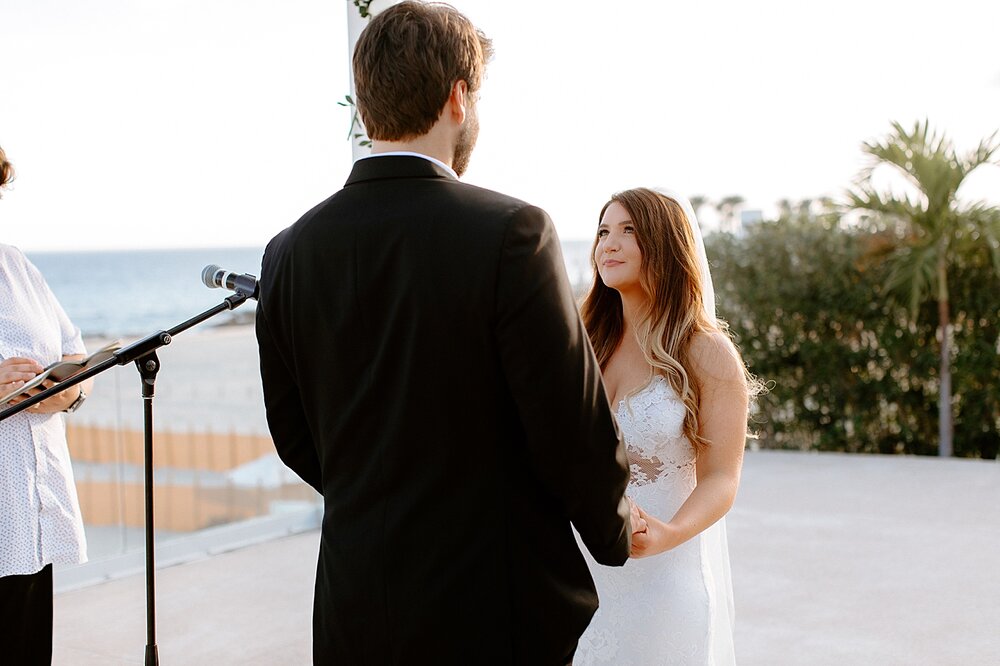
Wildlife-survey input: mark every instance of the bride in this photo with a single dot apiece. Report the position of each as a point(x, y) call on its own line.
point(681, 394)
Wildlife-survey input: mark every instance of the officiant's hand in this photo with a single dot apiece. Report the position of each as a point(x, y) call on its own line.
point(57, 403)
point(15, 372)
point(658, 537)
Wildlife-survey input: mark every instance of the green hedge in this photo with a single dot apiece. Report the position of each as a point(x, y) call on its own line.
point(848, 368)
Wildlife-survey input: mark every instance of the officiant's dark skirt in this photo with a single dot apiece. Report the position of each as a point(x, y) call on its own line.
point(26, 618)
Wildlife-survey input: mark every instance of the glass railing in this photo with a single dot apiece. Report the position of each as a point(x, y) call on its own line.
point(213, 460)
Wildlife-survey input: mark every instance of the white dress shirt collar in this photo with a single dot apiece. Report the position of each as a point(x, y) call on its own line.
point(408, 153)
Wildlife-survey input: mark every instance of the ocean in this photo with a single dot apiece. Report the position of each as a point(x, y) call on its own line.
point(128, 294)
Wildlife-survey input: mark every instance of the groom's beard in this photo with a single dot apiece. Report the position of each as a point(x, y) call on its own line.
point(466, 142)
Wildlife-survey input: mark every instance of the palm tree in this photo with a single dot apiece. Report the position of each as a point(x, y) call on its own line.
point(698, 201)
point(786, 209)
point(933, 228)
point(727, 210)
point(805, 209)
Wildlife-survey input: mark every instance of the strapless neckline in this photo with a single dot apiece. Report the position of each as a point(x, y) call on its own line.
point(657, 379)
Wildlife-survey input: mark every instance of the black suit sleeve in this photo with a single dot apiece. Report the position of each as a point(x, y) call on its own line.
point(573, 443)
point(283, 405)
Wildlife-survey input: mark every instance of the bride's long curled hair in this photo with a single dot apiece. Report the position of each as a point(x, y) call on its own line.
point(670, 276)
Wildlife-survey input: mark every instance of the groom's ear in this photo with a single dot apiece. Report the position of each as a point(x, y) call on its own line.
point(458, 102)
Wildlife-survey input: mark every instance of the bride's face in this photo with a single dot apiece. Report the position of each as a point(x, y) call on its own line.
point(619, 260)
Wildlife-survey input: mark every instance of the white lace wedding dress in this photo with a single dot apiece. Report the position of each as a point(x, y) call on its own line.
point(675, 607)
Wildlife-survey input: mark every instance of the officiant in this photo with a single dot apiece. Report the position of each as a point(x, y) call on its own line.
point(40, 521)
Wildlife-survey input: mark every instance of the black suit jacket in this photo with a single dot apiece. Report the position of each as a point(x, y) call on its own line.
point(426, 370)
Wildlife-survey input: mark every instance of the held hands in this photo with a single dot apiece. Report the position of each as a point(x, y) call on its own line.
point(655, 538)
point(15, 372)
point(637, 521)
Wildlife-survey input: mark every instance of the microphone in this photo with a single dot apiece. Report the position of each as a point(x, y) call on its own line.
point(217, 278)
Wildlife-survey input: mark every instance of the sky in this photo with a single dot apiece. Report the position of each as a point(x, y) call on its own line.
point(211, 123)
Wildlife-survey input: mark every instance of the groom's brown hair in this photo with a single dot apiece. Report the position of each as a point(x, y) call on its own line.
point(406, 62)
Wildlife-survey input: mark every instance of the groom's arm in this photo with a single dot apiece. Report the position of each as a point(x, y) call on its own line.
point(573, 443)
point(286, 418)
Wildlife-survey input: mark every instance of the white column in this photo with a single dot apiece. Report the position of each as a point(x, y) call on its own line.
point(355, 24)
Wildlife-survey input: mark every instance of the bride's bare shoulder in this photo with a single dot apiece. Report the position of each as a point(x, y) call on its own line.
point(715, 361)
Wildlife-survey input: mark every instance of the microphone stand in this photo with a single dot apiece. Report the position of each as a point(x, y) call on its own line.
point(143, 354)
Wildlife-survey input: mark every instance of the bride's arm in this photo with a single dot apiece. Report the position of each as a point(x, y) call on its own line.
point(722, 417)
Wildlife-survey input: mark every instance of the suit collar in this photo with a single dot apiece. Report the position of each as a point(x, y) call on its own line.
point(395, 166)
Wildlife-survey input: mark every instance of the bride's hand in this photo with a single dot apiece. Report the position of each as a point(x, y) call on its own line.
point(658, 537)
point(636, 520)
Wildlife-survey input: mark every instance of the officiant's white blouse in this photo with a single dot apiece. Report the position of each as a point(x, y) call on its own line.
point(40, 520)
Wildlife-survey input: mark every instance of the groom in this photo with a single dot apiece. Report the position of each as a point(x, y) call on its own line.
point(425, 369)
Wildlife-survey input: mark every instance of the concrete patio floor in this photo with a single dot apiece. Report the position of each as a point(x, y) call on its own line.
point(837, 559)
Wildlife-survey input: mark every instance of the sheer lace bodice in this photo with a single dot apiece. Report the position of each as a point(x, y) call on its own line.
point(676, 607)
point(652, 421)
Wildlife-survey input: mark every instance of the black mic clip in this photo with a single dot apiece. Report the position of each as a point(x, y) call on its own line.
point(217, 278)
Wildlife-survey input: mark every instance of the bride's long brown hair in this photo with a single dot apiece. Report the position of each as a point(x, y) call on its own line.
point(670, 276)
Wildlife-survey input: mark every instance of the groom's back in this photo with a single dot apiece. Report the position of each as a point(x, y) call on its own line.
point(393, 308)
point(398, 331)
point(425, 368)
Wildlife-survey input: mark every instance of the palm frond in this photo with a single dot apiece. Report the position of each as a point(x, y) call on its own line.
point(927, 160)
point(985, 220)
point(984, 153)
point(864, 196)
point(938, 228)
point(912, 275)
